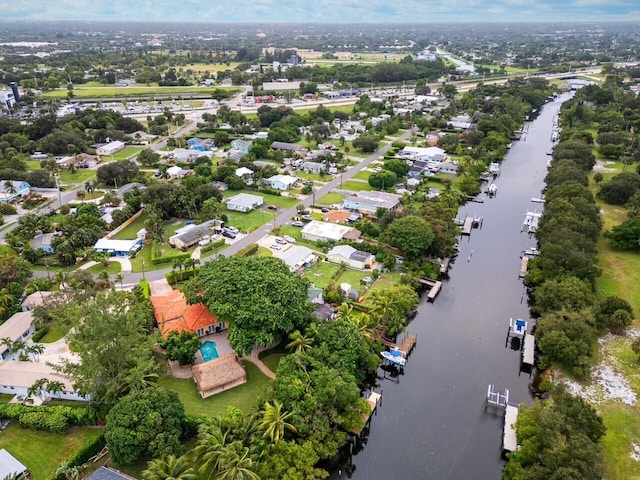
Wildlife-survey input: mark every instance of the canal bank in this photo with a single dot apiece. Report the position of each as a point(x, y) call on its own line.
point(433, 423)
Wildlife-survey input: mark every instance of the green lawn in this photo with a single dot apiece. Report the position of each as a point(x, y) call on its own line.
point(320, 274)
point(42, 452)
point(7, 250)
point(5, 397)
point(55, 333)
point(80, 176)
point(125, 153)
point(33, 164)
point(330, 198)
point(356, 186)
point(363, 175)
point(316, 177)
point(623, 428)
point(114, 267)
point(263, 252)
point(243, 397)
point(386, 280)
point(248, 222)
point(280, 201)
point(353, 278)
point(272, 361)
point(130, 231)
point(296, 233)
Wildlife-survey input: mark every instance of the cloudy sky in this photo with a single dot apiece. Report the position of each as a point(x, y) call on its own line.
point(323, 10)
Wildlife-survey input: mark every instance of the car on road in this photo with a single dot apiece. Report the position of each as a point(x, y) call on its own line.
point(281, 241)
point(272, 207)
point(275, 246)
point(289, 239)
point(308, 183)
point(297, 224)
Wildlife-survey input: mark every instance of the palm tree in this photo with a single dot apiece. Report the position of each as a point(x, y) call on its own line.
point(6, 299)
point(170, 468)
point(54, 387)
point(236, 464)
point(38, 388)
point(90, 186)
point(69, 472)
point(9, 188)
point(34, 350)
point(178, 263)
point(299, 342)
point(274, 422)
point(120, 278)
point(208, 452)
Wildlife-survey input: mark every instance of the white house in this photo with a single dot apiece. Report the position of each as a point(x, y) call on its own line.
point(298, 258)
point(13, 189)
point(244, 202)
point(315, 231)
point(36, 299)
point(17, 377)
point(243, 172)
point(448, 167)
point(281, 182)
point(110, 148)
point(118, 248)
point(176, 172)
point(351, 257)
point(312, 167)
point(10, 466)
point(428, 154)
point(18, 328)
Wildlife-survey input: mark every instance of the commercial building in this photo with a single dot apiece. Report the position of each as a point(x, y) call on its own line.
point(110, 148)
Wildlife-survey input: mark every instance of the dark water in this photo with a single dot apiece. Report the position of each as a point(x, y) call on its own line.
point(432, 423)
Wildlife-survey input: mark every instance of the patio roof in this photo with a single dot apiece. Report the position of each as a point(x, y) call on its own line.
point(218, 375)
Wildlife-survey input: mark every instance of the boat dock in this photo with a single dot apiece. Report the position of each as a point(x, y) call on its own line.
point(434, 288)
point(530, 224)
point(444, 266)
point(373, 400)
point(467, 226)
point(509, 438)
point(406, 347)
point(524, 265)
point(527, 357)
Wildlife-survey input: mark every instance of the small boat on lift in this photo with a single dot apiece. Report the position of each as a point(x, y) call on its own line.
point(394, 357)
point(493, 189)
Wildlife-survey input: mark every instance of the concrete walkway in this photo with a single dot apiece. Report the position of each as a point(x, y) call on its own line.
point(255, 359)
point(125, 263)
point(160, 287)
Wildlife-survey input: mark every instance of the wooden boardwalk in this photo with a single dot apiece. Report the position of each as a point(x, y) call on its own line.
point(406, 347)
point(524, 266)
point(372, 401)
point(467, 226)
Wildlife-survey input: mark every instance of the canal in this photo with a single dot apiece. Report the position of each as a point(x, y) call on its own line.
point(432, 423)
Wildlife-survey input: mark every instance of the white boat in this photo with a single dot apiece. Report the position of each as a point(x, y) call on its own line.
point(395, 357)
point(493, 188)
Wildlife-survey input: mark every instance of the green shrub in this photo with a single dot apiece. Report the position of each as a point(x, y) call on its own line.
point(248, 250)
point(88, 450)
point(146, 289)
point(7, 209)
point(175, 277)
point(54, 422)
point(40, 332)
point(80, 415)
point(168, 259)
point(212, 245)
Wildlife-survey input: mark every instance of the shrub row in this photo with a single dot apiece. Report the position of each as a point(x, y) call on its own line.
point(212, 245)
point(146, 288)
point(40, 332)
point(248, 250)
point(175, 277)
point(54, 422)
point(169, 258)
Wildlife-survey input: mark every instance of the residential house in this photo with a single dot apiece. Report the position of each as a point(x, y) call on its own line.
point(315, 294)
point(176, 172)
point(345, 254)
point(368, 203)
point(216, 376)
point(461, 122)
point(244, 202)
point(17, 378)
point(185, 155)
point(107, 473)
point(11, 190)
point(413, 183)
point(288, 147)
point(43, 243)
point(428, 154)
point(281, 182)
point(323, 311)
point(18, 328)
point(336, 216)
point(173, 313)
point(448, 167)
point(141, 138)
point(315, 231)
point(36, 299)
point(191, 234)
point(223, 187)
point(298, 258)
point(118, 248)
point(201, 144)
point(312, 167)
point(242, 146)
point(10, 466)
point(107, 213)
point(245, 174)
point(110, 148)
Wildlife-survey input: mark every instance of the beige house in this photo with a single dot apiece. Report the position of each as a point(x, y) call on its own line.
point(351, 257)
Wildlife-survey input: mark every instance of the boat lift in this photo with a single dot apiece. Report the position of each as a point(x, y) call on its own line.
point(516, 332)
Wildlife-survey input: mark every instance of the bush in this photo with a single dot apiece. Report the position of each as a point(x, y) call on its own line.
point(272, 191)
point(54, 422)
point(175, 277)
point(7, 209)
point(248, 250)
point(212, 245)
point(40, 332)
point(182, 346)
point(146, 288)
point(167, 259)
point(74, 415)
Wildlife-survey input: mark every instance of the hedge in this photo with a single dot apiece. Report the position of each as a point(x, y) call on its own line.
point(74, 415)
point(169, 258)
point(54, 422)
point(248, 250)
point(40, 332)
point(146, 288)
point(88, 450)
point(175, 277)
point(212, 245)
point(192, 424)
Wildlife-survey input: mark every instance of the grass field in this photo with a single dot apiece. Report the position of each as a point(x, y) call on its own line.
point(320, 274)
point(114, 267)
point(125, 153)
point(55, 333)
point(80, 175)
point(243, 397)
point(130, 230)
point(356, 186)
point(330, 198)
point(80, 91)
point(42, 452)
point(211, 68)
point(248, 222)
point(362, 175)
point(272, 361)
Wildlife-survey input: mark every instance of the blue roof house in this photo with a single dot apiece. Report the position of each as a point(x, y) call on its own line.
point(13, 189)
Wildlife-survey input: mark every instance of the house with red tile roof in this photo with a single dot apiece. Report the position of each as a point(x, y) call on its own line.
point(172, 312)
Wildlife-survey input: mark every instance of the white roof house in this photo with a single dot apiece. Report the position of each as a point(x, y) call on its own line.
point(346, 254)
point(281, 182)
point(110, 148)
point(315, 231)
point(175, 172)
point(10, 467)
point(121, 248)
point(17, 377)
point(18, 327)
point(432, 154)
point(297, 257)
point(242, 171)
point(244, 202)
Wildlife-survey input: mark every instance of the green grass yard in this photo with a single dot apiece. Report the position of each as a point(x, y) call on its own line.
point(55, 333)
point(272, 361)
point(124, 154)
point(42, 452)
point(356, 186)
point(79, 176)
point(248, 222)
point(243, 397)
point(330, 198)
point(320, 274)
point(114, 267)
point(362, 175)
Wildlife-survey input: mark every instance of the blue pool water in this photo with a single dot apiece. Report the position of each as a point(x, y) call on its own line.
point(209, 351)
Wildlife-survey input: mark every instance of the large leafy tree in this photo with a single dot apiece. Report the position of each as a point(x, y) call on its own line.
point(149, 420)
point(258, 297)
point(182, 346)
point(412, 235)
point(391, 306)
point(111, 338)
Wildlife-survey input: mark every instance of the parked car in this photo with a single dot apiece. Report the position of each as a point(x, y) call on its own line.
point(298, 224)
point(289, 239)
point(281, 241)
point(272, 207)
point(308, 183)
point(233, 230)
point(306, 218)
point(325, 210)
point(228, 234)
point(275, 246)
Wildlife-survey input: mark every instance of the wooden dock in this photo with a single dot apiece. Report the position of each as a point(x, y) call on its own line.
point(524, 266)
point(444, 266)
point(434, 287)
point(509, 438)
point(527, 359)
point(372, 401)
point(467, 226)
point(406, 347)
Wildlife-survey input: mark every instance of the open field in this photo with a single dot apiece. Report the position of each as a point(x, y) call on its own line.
point(79, 176)
point(42, 452)
point(243, 397)
point(210, 68)
point(356, 186)
point(330, 198)
point(320, 274)
point(81, 91)
point(125, 153)
point(247, 222)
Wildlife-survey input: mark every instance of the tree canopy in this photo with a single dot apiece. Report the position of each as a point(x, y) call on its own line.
point(411, 234)
point(258, 297)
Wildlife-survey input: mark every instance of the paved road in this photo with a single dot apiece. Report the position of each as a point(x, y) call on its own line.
point(283, 218)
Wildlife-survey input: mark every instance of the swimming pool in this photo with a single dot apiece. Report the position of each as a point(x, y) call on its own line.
point(209, 351)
